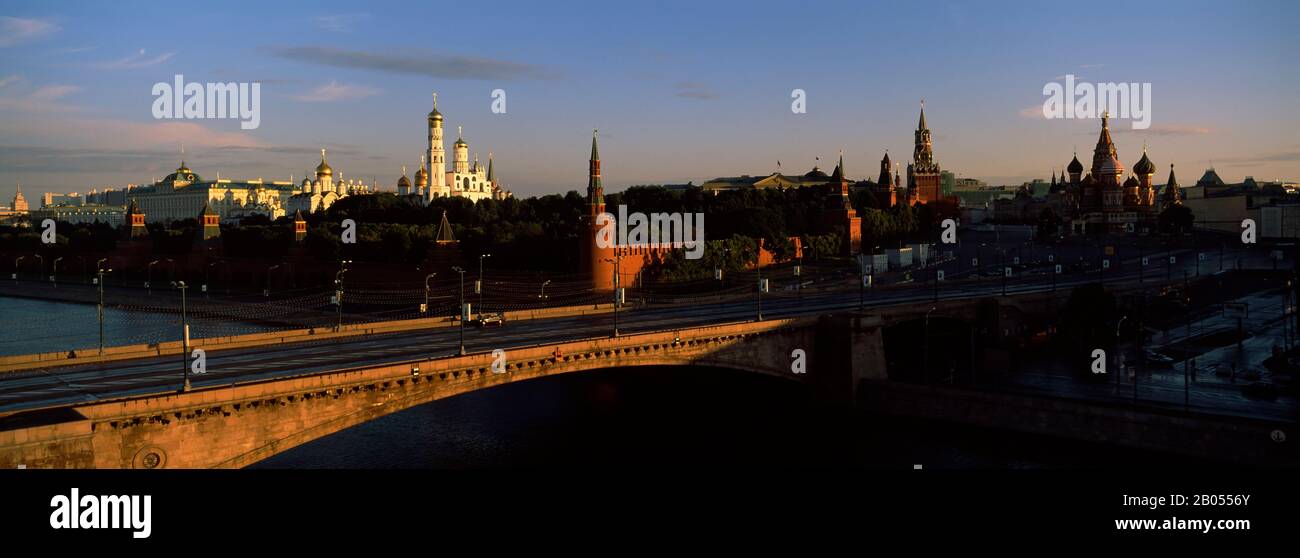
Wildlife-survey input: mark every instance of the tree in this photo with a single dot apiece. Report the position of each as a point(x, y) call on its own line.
point(1176, 219)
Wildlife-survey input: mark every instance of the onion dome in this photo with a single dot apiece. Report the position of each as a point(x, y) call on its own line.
point(434, 115)
point(323, 169)
point(404, 182)
point(1132, 182)
point(1075, 167)
point(1144, 165)
point(1112, 166)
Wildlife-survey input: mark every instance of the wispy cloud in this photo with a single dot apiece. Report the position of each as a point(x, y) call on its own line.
point(74, 50)
point(1033, 113)
point(694, 90)
point(1164, 130)
point(140, 59)
point(335, 91)
point(339, 23)
point(14, 30)
point(1274, 157)
point(43, 99)
point(432, 65)
point(52, 92)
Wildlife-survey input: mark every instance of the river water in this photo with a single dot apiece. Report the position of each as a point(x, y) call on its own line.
point(674, 416)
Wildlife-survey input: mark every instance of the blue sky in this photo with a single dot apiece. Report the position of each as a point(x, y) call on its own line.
point(681, 91)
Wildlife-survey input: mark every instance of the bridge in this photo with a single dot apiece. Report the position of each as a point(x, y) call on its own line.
point(260, 401)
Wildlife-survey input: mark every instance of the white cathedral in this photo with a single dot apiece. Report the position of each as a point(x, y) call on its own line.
point(465, 179)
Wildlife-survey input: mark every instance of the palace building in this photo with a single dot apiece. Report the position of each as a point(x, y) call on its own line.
point(184, 193)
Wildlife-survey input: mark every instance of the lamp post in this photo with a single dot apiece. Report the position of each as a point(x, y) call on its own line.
point(17, 262)
point(148, 278)
point(758, 266)
point(427, 278)
point(206, 276)
point(100, 271)
point(462, 308)
point(925, 368)
point(1119, 357)
point(618, 258)
point(544, 284)
point(185, 337)
point(338, 292)
point(482, 286)
point(54, 269)
point(267, 291)
point(40, 270)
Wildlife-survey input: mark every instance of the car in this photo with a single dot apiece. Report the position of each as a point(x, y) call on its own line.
point(490, 320)
point(1155, 359)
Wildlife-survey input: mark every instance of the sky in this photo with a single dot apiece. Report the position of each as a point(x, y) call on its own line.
point(680, 91)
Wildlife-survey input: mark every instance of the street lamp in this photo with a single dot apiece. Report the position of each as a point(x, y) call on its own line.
point(148, 280)
point(185, 337)
point(1119, 357)
point(925, 368)
point(427, 278)
point(54, 271)
point(206, 278)
point(100, 271)
point(17, 262)
point(618, 258)
point(462, 308)
point(267, 291)
point(338, 291)
point(42, 266)
point(544, 284)
point(481, 285)
point(758, 266)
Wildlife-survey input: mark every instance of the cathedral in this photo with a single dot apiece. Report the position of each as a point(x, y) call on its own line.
point(1099, 202)
point(465, 179)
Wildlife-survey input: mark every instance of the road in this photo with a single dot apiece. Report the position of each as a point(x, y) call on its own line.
point(42, 388)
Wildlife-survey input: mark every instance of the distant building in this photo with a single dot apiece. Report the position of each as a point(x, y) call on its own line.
point(114, 215)
point(183, 194)
point(52, 199)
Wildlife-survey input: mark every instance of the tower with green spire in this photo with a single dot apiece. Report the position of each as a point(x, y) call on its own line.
point(595, 192)
point(597, 256)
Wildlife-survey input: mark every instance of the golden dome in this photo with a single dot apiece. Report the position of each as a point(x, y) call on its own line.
point(323, 168)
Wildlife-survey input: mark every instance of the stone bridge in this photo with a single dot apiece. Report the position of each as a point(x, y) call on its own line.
point(237, 425)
